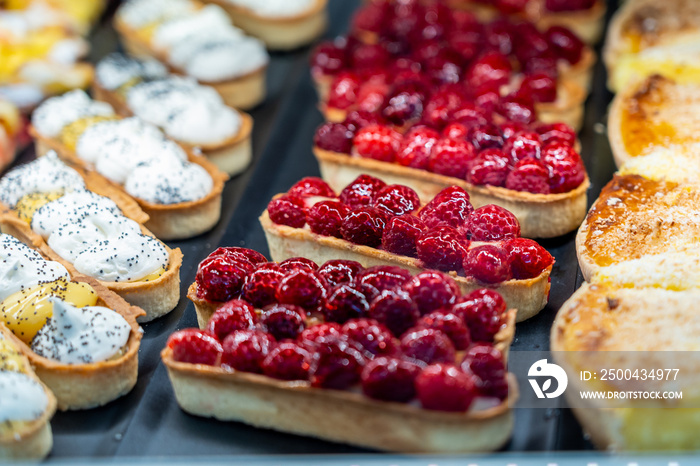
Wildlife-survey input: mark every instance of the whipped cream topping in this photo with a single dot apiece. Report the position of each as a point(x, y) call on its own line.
point(81, 335)
point(140, 13)
point(23, 399)
point(276, 8)
point(68, 51)
point(43, 175)
point(185, 110)
point(37, 15)
point(163, 182)
point(57, 112)
point(117, 69)
point(71, 208)
point(22, 267)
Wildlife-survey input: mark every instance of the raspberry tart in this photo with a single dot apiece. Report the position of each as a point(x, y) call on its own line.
point(328, 350)
point(378, 224)
point(534, 172)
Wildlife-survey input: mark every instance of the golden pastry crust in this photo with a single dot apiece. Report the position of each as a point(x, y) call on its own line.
point(280, 33)
point(540, 215)
point(166, 221)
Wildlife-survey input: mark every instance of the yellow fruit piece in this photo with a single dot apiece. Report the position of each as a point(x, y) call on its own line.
point(633, 68)
point(15, 53)
point(26, 311)
point(124, 89)
point(9, 117)
point(30, 203)
point(10, 358)
point(153, 275)
point(71, 133)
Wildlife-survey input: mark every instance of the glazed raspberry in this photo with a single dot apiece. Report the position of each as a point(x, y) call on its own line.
point(487, 263)
point(431, 290)
point(486, 363)
point(492, 68)
point(455, 131)
point(557, 133)
point(442, 248)
point(390, 379)
point(448, 323)
point(360, 192)
point(566, 170)
point(401, 234)
point(245, 350)
point(340, 271)
point(287, 210)
point(544, 64)
point(565, 43)
point(487, 97)
point(370, 17)
point(540, 87)
point(415, 147)
point(343, 90)
point(377, 142)
point(261, 286)
point(404, 103)
point(517, 108)
point(294, 263)
point(336, 363)
point(220, 278)
point(195, 346)
point(441, 105)
point(529, 175)
point(287, 361)
point(371, 335)
point(568, 5)
point(483, 311)
point(233, 315)
point(311, 186)
point(326, 217)
point(427, 345)
point(443, 387)
point(530, 43)
point(527, 258)
point(308, 337)
point(364, 226)
point(368, 57)
point(450, 207)
point(359, 119)
point(509, 7)
point(451, 157)
point(304, 288)
point(522, 145)
point(283, 321)
point(490, 166)
point(345, 302)
point(396, 199)
point(374, 280)
point(395, 309)
point(328, 58)
point(240, 254)
point(511, 128)
point(487, 136)
point(493, 223)
point(370, 99)
point(334, 137)
point(470, 114)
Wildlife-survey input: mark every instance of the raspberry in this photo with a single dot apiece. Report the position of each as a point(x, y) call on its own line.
point(345, 302)
point(492, 68)
point(294, 263)
point(568, 5)
point(442, 248)
point(511, 128)
point(449, 324)
point(450, 207)
point(195, 346)
point(394, 309)
point(245, 350)
point(487, 97)
point(529, 175)
point(308, 337)
point(490, 167)
point(530, 42)
point(343, 90)
point(233, 315)
point(283, 321)
point(404, 103)
point(414, 149)
point(566, 170)
point(509, 7)
point(539, 87)
point(328, 58)
point(556, 133)
point(326, 217)
point(527, 258)
point(311, 186)
point(470, 115)
point(487, 263)
point(220, 278)
point(374, 280)
point(304, 288)
point(492, 223)
point(483, 311)
point(517, 108)
point(565, 44)
point(451, 157)
point(427, 345)
point(486, 363)
point(340, 271)
point(522, 145)
point(499, 35)
point(455, 131)
point(261, 286)
point(390, 379)
point(431, 290)
point(370, 97)
point(446, 67)
point(334, 137)
point(377, 142)
point(287, 361)
point(441, 105)
point(371, 335)
point(370, 17)
point(396, 199)
point(288, 210)
point(240, 254)
point(364, 226)
point(336, 363)
point(401, 234)
point(360, 192)
point(359, 119)
point(443, 387)
point(487, 136)
point(366, 57)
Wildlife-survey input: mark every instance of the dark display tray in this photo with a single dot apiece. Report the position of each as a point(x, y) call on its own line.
point(148, 422)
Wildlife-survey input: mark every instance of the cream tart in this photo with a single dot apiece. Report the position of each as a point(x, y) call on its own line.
point(47, 205)
point(328, 348)
point(180, 191)
point(199, 41)
point(379, 224)
point(280, 24)
point(189, 113)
